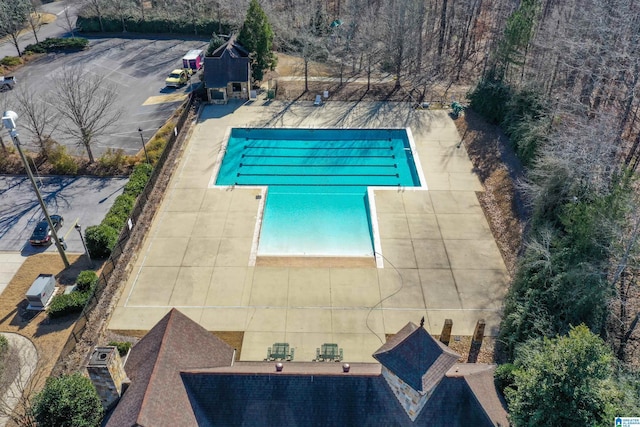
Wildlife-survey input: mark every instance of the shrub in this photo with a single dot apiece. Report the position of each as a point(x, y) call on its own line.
point(138, 179)
point(86, 280)
point(113, 160)
point(121, 208)
point(58, 45)
point(68, 400)
point(490, 98)
point(10, 61)
point(62, 163)
point(503, 376)
point(150, 25)
point(123, 347)
point(62, 305)
point(100, 240)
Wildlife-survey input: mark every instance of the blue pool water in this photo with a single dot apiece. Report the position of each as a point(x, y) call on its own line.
point(317, 200)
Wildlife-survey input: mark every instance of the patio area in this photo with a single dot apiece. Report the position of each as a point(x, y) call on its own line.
point(438, 256)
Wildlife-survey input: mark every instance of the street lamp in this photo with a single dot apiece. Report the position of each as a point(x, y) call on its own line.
point(9, 121)
point(86, 250)
point(144, 147)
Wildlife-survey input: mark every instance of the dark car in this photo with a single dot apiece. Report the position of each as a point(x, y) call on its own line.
point(42, 234)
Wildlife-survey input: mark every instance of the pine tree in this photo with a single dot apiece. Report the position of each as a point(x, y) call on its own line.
point(257, 37)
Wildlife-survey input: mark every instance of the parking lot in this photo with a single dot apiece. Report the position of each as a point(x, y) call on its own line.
point(82, 200)
point(135, 67)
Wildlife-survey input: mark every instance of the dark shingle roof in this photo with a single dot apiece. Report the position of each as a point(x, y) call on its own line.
point(228, 63)
point(220, 397)
point(156, 396)
point(416, 357)
point(184, 376)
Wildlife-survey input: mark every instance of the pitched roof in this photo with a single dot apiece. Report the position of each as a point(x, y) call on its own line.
point(479, 378)
point(231, 48)
point(416, 357)
point(229, 63)
point(307, 393)
point(183, 375)
point(156, 396)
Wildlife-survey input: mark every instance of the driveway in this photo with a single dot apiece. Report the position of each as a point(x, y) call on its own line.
point(135, 67)
point(78, 199)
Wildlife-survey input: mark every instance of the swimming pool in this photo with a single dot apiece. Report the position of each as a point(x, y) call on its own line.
point(317, 203)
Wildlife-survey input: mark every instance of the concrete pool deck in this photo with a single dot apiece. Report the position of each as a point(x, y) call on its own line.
point(440, 259)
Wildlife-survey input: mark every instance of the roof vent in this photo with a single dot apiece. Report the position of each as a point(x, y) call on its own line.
point(345, 367)
point(279, 366)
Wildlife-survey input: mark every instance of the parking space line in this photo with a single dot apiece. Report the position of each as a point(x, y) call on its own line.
point(161, 99)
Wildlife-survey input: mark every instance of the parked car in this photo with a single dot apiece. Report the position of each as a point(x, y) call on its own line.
point(7, 83)
point(177, 78)
point(42, 233)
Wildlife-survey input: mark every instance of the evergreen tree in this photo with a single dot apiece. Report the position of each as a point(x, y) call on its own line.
point(68, 401)
point(563, 381)
point(257, 37)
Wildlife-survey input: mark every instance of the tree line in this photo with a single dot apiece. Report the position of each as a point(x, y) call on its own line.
point(560, 80)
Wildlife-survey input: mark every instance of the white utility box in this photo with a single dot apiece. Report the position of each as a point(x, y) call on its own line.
point(41, 291)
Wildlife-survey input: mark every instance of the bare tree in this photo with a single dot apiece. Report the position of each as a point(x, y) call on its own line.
point(13, 16)
point(87, 101)
point(39, 116)
point(121, 9)
point(68, 22)
point(35, 19)
point(97, 7)
point(16, 403)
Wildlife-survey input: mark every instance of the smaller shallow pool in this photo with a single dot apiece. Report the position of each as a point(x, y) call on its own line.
point(317, 184)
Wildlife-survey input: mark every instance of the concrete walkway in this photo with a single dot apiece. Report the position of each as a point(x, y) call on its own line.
point(439, 259)
point(28, 356)
point(10, 263)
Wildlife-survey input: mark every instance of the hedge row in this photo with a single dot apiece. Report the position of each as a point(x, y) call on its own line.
point(113, 24)
point(102, 238)
point(57, 44)
point(74, 302)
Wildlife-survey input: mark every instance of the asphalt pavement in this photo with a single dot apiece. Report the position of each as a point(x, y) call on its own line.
point(83, 200)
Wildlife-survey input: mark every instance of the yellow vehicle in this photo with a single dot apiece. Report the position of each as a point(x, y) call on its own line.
point(177, 78)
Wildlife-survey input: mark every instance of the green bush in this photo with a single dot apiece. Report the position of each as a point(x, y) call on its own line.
point(138, 179)
point(503, 376)
point(86, 280)
point(100, 240)
point(490, 98)
point(121, 208)
point(123, 347)
point(58, 45)
point(68, 400)
point(63, 163)
point(64, 304)
point(10, 61)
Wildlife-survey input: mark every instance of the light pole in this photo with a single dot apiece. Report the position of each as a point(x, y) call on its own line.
point(9, 121)
point(86, 250)
point(144, 147)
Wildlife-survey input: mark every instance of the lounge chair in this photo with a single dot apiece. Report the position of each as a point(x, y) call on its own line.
point(318, 101)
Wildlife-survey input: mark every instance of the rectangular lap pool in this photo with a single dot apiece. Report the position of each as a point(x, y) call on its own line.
point(317, 184)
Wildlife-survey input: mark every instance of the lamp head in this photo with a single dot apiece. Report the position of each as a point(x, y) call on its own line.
point(77, 226)
point(140, 130)
point(9, 120)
